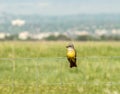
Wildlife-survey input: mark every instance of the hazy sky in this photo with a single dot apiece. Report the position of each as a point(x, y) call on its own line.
point(59, 7)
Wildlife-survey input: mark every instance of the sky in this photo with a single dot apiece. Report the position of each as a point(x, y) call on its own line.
point(60, 7)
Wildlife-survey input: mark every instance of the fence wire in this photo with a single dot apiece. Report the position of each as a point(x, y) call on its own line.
point(85, 57)
point(37, 64)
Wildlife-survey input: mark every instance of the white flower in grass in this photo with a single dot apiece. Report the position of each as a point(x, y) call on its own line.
point(107, 91)
point(115, 92)
point(97, 82)
point(80, 89)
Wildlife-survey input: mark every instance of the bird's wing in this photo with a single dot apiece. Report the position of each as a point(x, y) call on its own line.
point(72, 62)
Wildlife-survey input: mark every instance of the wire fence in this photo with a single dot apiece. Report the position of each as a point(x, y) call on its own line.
point(28, 72)
point(82, 57)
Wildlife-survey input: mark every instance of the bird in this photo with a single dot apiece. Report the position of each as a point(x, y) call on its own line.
point(71, 55)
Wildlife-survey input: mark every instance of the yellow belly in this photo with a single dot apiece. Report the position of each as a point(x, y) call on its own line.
point(71, 54)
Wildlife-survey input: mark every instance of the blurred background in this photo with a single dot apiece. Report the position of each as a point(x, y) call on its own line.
point(81, 20)
point(33, 39)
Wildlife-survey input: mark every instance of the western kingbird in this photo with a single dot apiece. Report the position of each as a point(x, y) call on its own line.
point(71, 55)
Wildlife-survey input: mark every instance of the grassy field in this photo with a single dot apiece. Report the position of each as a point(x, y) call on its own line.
point(42, 68)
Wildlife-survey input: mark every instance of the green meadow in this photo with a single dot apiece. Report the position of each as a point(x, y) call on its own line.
point(42, 68)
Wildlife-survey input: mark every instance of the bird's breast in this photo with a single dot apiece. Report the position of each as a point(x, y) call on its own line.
point(71, 54)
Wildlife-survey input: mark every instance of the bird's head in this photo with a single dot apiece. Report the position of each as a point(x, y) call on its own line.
point(70, 45)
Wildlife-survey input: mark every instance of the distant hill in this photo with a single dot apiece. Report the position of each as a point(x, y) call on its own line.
point(38, 23)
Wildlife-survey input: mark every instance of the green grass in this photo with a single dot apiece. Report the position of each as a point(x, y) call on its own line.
point(42, 68)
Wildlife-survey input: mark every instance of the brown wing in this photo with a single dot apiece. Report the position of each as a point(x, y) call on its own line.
point(72, 62)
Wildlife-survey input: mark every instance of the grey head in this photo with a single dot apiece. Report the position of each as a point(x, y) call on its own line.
point(70, 45)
